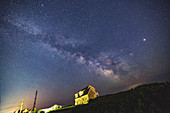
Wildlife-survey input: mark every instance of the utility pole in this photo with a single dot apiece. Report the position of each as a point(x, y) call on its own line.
point(35, 99)
point(21, 105)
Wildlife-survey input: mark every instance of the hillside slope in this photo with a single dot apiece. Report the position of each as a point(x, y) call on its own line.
point(149, 98)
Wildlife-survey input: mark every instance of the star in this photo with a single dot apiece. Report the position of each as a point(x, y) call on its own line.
point(144, 39)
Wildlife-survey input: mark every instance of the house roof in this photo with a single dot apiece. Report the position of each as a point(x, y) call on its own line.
point(86, 90)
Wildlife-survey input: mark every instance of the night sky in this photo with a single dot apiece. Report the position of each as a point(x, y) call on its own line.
point(59, 47)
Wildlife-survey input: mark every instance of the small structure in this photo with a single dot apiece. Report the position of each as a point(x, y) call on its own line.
point(26, 111)
point(55, 107)
point(83, 96)
point(22, 111)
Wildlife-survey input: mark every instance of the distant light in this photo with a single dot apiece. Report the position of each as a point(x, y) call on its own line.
point(131, 54)
point(42, 5)
point(144, 39)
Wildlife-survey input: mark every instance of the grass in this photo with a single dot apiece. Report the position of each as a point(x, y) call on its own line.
point(148, 98)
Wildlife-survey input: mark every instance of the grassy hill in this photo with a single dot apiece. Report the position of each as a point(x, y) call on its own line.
point(148, 98)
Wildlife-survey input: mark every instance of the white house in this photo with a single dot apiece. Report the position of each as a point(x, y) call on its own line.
point(46, 110)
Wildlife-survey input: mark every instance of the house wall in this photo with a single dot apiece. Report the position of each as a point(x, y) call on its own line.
point(82, 100)
point(76, 95)
point(92, 94)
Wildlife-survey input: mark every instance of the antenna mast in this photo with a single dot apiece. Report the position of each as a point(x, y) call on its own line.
point(21, 105)
point(35, 99)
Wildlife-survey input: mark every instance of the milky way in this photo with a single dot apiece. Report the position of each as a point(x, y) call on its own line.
point(60, 46)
